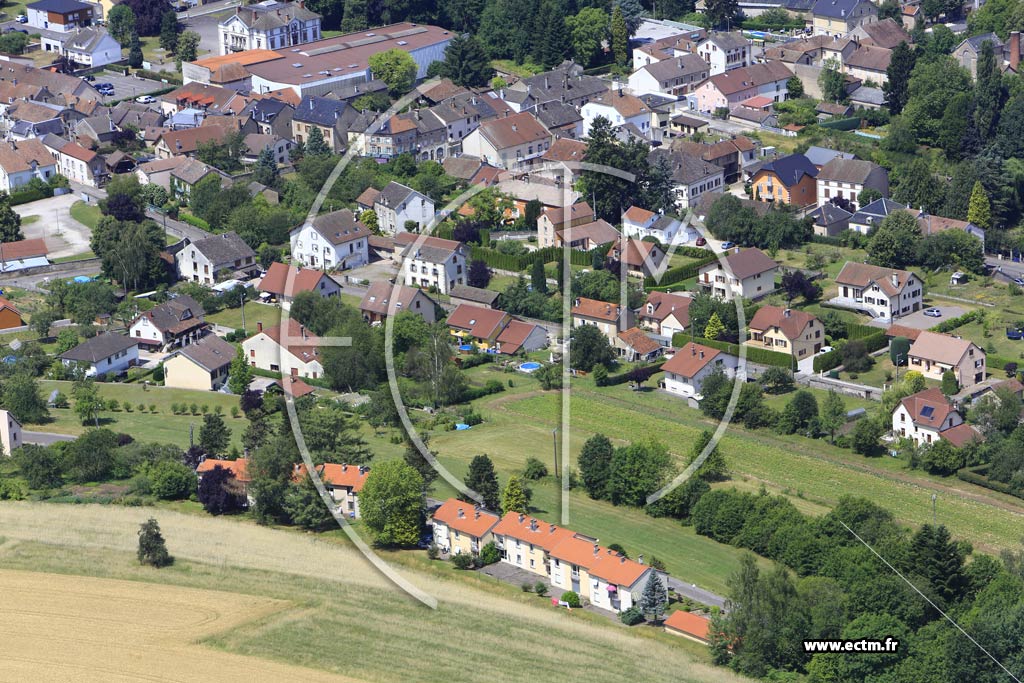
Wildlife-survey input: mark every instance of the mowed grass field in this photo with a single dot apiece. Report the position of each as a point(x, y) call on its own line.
point(162, 426)
point(812, 473)
point(320, 606)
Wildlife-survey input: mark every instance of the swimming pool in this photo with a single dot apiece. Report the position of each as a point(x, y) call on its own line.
point(530, 366)
point(465, 347)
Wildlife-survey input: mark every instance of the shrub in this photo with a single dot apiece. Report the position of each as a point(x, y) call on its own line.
point(152, 408)
point(540, 588)
point(632, 616)
point(433, 552)
point(462, 561)
point(489, 554)
point(171, 480)
point(571, 598)
point(60, 400)
point(152, 548)
point(472, 418)
point(600, 375)
point(234, 411)
point(141, 407)
point(534, 469)
point(526, 587)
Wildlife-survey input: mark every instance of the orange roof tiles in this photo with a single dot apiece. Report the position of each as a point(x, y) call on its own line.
point(531, 530)
point(690, 359)
point(790, 322)
point(466, 518)
point(239, 468)
point(303, 280)
point(691, 624)
point(338, 475)
point(598, 310)
point(481, 323)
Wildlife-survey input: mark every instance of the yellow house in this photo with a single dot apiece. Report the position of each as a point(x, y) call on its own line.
point(839, 17)
point(797, 333)
point(933, 354)
point(526, 542)
point(203, 366)
point(461, 527)
point(480, 326)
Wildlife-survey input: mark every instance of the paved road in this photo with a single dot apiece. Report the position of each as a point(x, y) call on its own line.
point(44, 438)
point(64, 235)
point(1009, 269)
point(35, 282)
point(696, 593)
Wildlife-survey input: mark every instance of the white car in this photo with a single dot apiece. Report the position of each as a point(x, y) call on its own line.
point(145, 99)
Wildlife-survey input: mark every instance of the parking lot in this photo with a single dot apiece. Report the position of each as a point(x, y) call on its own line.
point(920, 321)
point(127, 86)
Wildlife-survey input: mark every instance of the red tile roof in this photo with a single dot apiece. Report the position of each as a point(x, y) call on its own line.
point(481, 323)
point(338, 475)
point(597, 310)
point(598, 561)
point(515, 335)
point(690, 359)
point(22, 249)
point(910, 333)
point(240, 467)
point(637, 339)
point(790, 322)
point(688, 623)
point(930, 401)
point(531, 530)
point(303, 280)
point(665, 304)
point(306, 351)
point(637, 215)
point(466, 518)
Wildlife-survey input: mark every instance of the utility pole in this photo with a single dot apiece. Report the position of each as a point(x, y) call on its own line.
point(554, 443)
point(243, 310)
point(934, 522)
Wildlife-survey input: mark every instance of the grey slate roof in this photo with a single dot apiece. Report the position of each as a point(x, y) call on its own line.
point(819, 156)
point(866, 95)
point(394, 194)
point(340, 226)
point(322, 111)
point(876, 211)
point(271, 15)
point(835, 9)
point(677, 67)
point(791, 169)
point(59, 6)
point(686, 168)
point(210, 353)
point(87, 39)
point(728, 41)
point(975, 42)
point(99, 347)
point(177, 314)
point(557, 114)
point(227, 247)
point(829, 213)
point(467, 293)
point(265, 110)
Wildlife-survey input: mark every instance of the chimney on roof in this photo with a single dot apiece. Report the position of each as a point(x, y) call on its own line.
point(788, 312)
point(736, 250)
point(461, 513)
point(302, 331)
point(476, 514)
point(597, 549)
point(640, 559)
point(622, 559)
point(533, 525)
point(702, 355)
point(344, 467)
point(521, 517)
point(895, 280)
point(551, 528)
point(259, 326)
point(546, 86)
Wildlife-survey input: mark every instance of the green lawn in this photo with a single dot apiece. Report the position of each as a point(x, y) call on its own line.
point(29, 220)
point(87, 214)
point(161, 427)
point(75, 257)
point(779, 401)
point(518, 425)
point(981, 289)
point(254, 312)
point(523, 70)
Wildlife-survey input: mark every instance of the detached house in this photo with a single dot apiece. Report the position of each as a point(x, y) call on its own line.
point(432, 261)
point(205, 260)
point(665, 314)
point(104, 354)
point(268, 25)
point(639, 259)
point(686, 371)
point(178, 322)
point(724, 52)
point(284, 282)
point(787, 180)
point(332, 241)
point(461, 527)
point(726, 90)
point(623, 111)
point(883, 293)
point(872, 215)
point(343, 483)
point(294, 351)
point(239, 469)
point(476, 325)
point(932, 354)
point(609, 318)
point(797, 333)
point(512, 142)
point(752, 275)
point(640, 223)
point(383, 299)
point(927, 416)
point(672, 76)
point(400, 208)
point(203, 366)
point(22, 161)
point(692, 176)
point(554, 219)
point(847, 178)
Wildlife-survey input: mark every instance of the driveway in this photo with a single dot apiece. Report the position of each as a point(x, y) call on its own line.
point(64, 235)
point(44, 438)
point(920, 321)
point(204, 20)
point(128, 86)
point(385, 269)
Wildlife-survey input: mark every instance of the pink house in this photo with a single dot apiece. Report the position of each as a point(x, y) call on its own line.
point(733, 87)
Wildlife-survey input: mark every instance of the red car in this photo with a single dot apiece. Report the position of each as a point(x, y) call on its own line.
point(701, 241)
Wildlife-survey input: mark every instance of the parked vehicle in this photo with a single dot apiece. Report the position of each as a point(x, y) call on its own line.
point(728, 245)
point(145, 99)
point(933, 312)
point(701, 242)
point(22, 19)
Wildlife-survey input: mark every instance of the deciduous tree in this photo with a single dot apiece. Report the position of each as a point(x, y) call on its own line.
point(392, 503)
point(595, 465)
point(152, 547)
point(396, 68)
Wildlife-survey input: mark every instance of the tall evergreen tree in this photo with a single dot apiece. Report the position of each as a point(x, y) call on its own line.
point(152, 547)
point(169, 30)
point(552, 42)
point(482, 480)
point(654, 597)
point(265, 171)
point(466, 63)
point(988, 91)
point(514, 498)
point(538, 278)
point(315, 144)
point(901, 64)
point(619, 37)
point(721, 13)
point(939, 560)
point(595, 465)
point(979, 211)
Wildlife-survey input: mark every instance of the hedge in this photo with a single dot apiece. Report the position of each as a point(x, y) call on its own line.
point(831, 241)
point(193, 220)
point(995, 364)
point(680, 273)
point(754, 354)
point(827, 361)
point(960, 321)
point(852, 123)
point(520, 262)
point(30, 195)
point(858, 331)
point(645, 372)
point(974, 475)
point(170, 77)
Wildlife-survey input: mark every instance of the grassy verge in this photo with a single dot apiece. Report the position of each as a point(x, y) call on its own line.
point(87, 214)
point(254, 313)
point(75, 257)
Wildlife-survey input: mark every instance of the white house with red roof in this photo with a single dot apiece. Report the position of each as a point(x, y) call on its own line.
point(293, 352)
point(797, 333)
point(687, 369)
point(635, 345)
point(640, 223)
point(665, 314)
point(383, 299)
point(609, 318)
point(343, 482)
point(431, 261)
point(640, 259)
point(331, 241)
point(927, 416)
point(883, 293)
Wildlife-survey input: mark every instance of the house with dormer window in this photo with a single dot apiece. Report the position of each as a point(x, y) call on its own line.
point(332, 241)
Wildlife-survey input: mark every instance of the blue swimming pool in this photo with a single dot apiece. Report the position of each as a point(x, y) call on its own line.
point(465, 347)
point(530, 366)
point(461, 426)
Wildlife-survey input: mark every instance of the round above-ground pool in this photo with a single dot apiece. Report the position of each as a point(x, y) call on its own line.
point(465, 347)
point(530, 366)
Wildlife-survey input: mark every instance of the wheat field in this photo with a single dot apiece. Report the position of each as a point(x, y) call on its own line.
point(319, 605)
